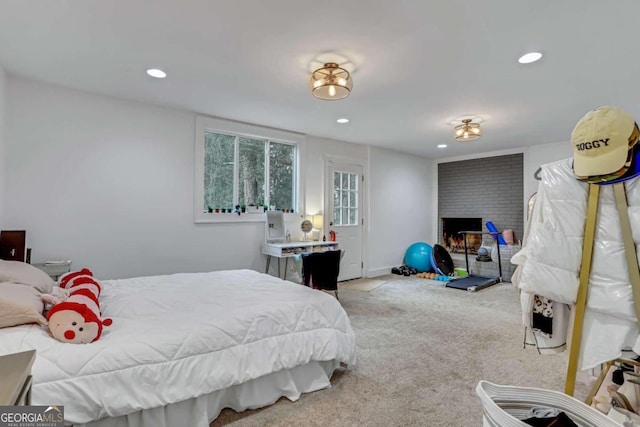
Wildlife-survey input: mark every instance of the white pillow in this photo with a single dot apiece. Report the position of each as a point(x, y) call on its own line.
point(26, 274)
point(19, 305)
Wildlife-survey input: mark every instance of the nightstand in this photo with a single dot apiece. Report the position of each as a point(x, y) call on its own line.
point(54, 270)
point(15, 371)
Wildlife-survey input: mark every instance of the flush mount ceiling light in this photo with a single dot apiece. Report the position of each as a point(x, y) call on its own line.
point(467, 131)
point(530, 57)
point(331, 82)
point(442, 145)
point(157, 73)
point(342, 120)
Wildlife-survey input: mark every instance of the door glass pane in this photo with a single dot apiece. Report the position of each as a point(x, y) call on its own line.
point(353, 197)
point(345, 216)
point(345, 198)
point(281, 176)
point(336, 216)
point(345, 181)
point(336, 198)
point(251, 173)
point(218, 171)
point(353, 216)
point(353, 181)
point(336, 180)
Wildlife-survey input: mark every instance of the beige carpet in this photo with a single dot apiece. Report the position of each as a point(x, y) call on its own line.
point(364, 284)
point(422, 349)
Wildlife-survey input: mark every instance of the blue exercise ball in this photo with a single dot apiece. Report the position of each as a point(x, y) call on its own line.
point(418, 256)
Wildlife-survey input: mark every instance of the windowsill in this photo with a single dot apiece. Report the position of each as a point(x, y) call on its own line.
point(212, 218)
point(205, 218)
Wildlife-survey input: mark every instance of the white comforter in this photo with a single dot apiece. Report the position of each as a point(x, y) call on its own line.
point(180, 336)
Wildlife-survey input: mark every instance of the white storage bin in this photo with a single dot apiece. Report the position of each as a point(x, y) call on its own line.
point(505, 406)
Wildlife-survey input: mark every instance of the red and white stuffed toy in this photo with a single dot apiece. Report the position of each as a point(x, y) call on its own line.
point(77, 319)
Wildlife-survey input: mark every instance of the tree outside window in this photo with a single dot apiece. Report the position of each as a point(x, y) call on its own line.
point(281, 170)
point(258, 162)
point(218, 171)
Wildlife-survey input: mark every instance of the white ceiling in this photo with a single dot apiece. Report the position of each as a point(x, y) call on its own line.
point(419, 64)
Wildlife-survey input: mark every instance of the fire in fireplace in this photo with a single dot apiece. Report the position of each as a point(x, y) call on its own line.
point(453, 241)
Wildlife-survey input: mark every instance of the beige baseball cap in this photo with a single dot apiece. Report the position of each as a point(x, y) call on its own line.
point(601, 141)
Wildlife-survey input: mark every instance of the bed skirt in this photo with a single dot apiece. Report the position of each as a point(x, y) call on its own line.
point(260, 392)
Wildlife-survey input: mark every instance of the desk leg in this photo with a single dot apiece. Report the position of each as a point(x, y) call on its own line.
point(286, 261)
point(268, 262)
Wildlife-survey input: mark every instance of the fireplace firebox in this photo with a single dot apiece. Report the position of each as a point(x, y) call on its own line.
point(454, 242)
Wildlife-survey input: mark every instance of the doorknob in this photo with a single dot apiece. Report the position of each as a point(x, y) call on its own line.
point(331, 223)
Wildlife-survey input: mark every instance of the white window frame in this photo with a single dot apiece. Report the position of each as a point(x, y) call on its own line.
point(206, 124)
point(349, 207)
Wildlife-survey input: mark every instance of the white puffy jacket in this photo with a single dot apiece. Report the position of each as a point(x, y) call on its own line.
point(553, 253)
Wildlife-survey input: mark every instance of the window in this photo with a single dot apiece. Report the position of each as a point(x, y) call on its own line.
point(345, 198)
point(239, 168)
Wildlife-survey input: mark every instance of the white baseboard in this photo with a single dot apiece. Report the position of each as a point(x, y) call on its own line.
point(379, 271)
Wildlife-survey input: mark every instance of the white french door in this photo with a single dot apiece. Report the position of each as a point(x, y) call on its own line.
point(344, 211)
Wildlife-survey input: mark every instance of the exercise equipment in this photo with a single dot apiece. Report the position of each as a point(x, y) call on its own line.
point(441, 260)
point(475, 282)
point(418, 256)
point(460, 272)
point(483, 255)
point(493, 230)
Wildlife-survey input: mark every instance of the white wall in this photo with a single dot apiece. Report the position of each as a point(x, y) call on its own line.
point(3, 168)
point(538, 155)
point(402, 194)
point(318, 150)
point(109, 184)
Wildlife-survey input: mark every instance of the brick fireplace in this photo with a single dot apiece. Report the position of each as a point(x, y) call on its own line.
point(482, 189)
point(489, 189)
point(453, 241)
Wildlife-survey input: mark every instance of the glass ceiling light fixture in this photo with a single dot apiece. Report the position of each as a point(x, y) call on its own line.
point(331, 82)
point(467, 131)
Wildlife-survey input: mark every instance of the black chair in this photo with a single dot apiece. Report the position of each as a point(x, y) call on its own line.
point(320, 270)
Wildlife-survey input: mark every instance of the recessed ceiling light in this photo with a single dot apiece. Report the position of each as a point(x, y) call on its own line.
point(157, 73)
point(530, 57)
point(342, 120)
point(442, 145)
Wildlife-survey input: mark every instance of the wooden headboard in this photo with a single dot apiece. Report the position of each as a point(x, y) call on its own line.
point(13, 245)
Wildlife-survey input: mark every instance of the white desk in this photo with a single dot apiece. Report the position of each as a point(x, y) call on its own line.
point(289, 249)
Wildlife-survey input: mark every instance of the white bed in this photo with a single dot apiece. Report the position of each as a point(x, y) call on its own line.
point(184, 346)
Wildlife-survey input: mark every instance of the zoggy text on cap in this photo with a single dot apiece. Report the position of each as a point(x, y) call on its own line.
point(592, 144)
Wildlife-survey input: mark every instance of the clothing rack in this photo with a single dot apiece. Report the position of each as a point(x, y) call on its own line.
point(585, 272)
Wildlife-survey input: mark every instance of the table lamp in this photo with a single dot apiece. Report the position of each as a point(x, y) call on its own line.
point(317, 223)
